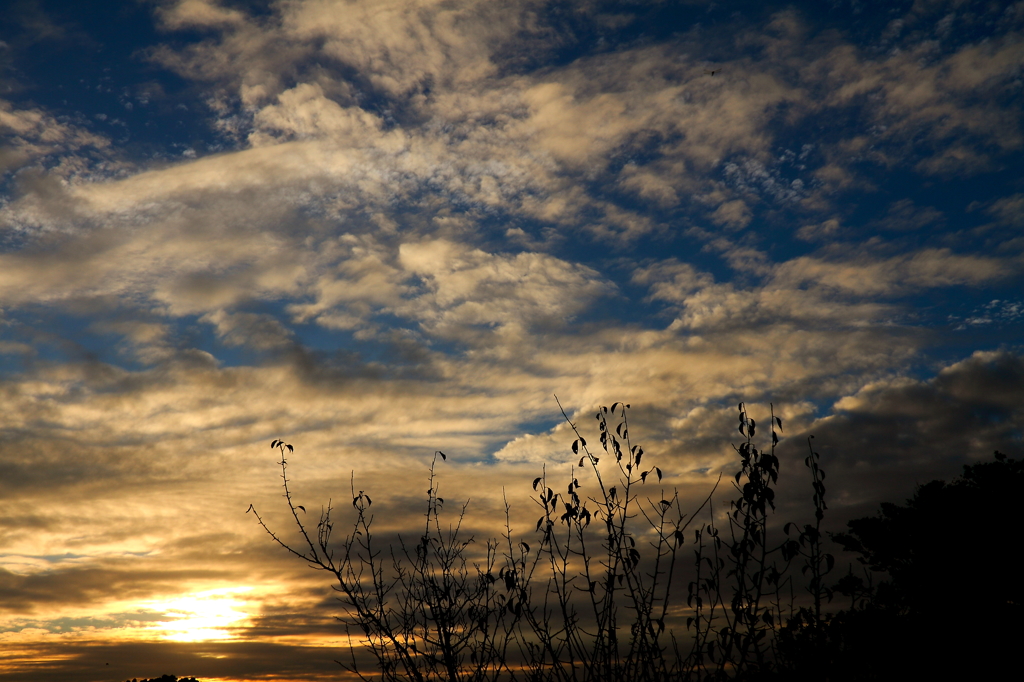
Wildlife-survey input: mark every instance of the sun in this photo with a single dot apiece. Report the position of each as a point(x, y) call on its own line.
point(200, 616)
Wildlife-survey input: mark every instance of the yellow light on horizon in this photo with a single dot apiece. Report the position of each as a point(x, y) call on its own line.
point(200, 616)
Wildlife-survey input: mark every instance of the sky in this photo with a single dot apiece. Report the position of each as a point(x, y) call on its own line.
point(380, 228)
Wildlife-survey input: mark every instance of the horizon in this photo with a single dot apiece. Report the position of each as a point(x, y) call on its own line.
point(378, 229)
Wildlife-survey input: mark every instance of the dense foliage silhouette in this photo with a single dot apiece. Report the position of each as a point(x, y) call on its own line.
point(949, 601)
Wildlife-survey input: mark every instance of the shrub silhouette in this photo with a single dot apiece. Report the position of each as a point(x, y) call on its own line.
point(597, 593)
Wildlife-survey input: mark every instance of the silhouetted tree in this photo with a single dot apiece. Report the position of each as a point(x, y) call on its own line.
point(950, 600)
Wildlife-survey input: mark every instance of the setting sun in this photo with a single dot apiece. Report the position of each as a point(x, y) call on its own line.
point(200, 616)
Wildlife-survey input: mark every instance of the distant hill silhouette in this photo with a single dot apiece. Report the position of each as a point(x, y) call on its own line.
point(164, 678)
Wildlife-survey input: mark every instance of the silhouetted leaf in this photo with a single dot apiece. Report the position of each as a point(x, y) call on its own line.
point(535, 482)
point(299, 506)
point(443, 456)
point(658, 471)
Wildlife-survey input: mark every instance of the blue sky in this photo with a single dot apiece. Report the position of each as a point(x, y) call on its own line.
point(377, 229)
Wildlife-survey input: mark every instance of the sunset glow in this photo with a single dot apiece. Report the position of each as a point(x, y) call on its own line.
point(200, 617)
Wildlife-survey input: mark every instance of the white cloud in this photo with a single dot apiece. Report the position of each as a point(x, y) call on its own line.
point(468, 288)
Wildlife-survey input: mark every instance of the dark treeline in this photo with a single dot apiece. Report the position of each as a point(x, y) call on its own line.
point(942, 595)
point(164, 678)
point(616, 585)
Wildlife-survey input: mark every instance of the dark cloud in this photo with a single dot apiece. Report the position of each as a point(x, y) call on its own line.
point(87, 661)
point(36, 594)
point(896, 434)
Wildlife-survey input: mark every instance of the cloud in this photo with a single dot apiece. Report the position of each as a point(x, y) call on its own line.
point(733, 214)
point(942, 97)
point(1009, 210)
point(304, 112)
point(903, 215)
point(469, 288)
point(197, 14)
point(824, 231)
point(144, 660)
point(810, 290)
point(498, 140)
point(927, 268)
point(33, 135)
point(401, 45)
point(900, 432)
point(671, 280)
point(249, 329)
point(49, 592)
